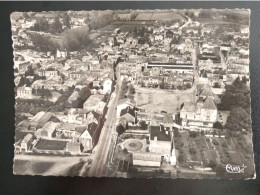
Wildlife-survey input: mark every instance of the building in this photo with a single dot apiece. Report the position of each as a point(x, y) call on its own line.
point(107, 86)
point(24, 93)
point(26, 143)
point(61, 53)
point(161, 141)
point(51, 72)
point(76, 75)
point(202, 113)
point(127, 115)
point(39, 120)
point(48, 131)
point(92, 102)
point(174, 67)
point(124, 103)
point(147, 159)
point(86, 141)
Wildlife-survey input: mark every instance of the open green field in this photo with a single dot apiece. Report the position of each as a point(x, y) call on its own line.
point(157, 100)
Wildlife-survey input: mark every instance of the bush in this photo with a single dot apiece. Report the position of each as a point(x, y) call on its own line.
point(224, 144)
point(212, 164)
point(181, 158)
point(193, 134)
point(215, 142)
point(192, 151)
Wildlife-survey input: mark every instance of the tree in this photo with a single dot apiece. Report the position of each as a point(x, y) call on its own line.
point(56, 27)
point(125, 151)
point(120, 129)
point(181, 158)
point(192, 151)
point(176, 132)
point(66, 20)
point(216, 85)
point(193, 134)
point(218, 125)
point(25, 15)
point(42, 25)
point(143, 125)
point(212, 164)
point(244, 80)
point(238, 119)
point(77, 39)
point(29, 72)
point(43, 43)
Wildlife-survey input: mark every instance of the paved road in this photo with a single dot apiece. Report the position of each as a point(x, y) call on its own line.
point(100, 156)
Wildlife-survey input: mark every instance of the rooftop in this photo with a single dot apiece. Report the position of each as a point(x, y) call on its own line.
point(160, 133)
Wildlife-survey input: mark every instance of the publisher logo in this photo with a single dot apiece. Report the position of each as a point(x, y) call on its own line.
point(235, 168)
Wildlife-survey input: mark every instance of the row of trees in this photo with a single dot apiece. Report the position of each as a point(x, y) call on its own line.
point(236, 99)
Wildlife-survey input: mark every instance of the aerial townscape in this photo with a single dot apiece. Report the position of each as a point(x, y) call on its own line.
point(133, 93)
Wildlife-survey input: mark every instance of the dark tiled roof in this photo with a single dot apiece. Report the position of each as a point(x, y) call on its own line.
point(160, 134)
point(92, 127)
point(129, 110)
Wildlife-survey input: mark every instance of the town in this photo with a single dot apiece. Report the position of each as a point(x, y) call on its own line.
point(132, 93)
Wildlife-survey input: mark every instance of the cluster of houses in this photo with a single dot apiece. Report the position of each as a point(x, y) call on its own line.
point(76, 129)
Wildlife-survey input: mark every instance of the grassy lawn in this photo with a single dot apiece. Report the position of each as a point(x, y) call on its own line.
point(50, 145)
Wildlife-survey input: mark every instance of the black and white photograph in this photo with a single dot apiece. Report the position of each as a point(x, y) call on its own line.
point(160, 93)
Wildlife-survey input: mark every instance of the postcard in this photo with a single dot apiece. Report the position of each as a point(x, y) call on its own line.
point(133, 93)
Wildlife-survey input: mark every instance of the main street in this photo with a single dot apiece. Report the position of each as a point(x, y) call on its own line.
point(99, 163)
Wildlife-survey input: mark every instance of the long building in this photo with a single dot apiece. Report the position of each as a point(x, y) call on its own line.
point(175, 67)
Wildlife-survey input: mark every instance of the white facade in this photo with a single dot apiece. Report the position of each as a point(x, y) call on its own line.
point(24, 92)
point(107, 86)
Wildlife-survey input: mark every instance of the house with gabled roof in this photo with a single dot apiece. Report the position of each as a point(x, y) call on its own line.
point(202, 113)
point(124, 103)
point(128, 115)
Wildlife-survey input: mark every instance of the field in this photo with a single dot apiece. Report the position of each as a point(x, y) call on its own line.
point(48, 165)
point(156, 100)
point(50, 145)
point(159, 16)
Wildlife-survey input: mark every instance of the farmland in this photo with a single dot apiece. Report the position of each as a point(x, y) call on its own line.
point(213, 152)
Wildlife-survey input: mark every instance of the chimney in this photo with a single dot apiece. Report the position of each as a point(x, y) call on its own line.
point(155, 138)
point(160, 127)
